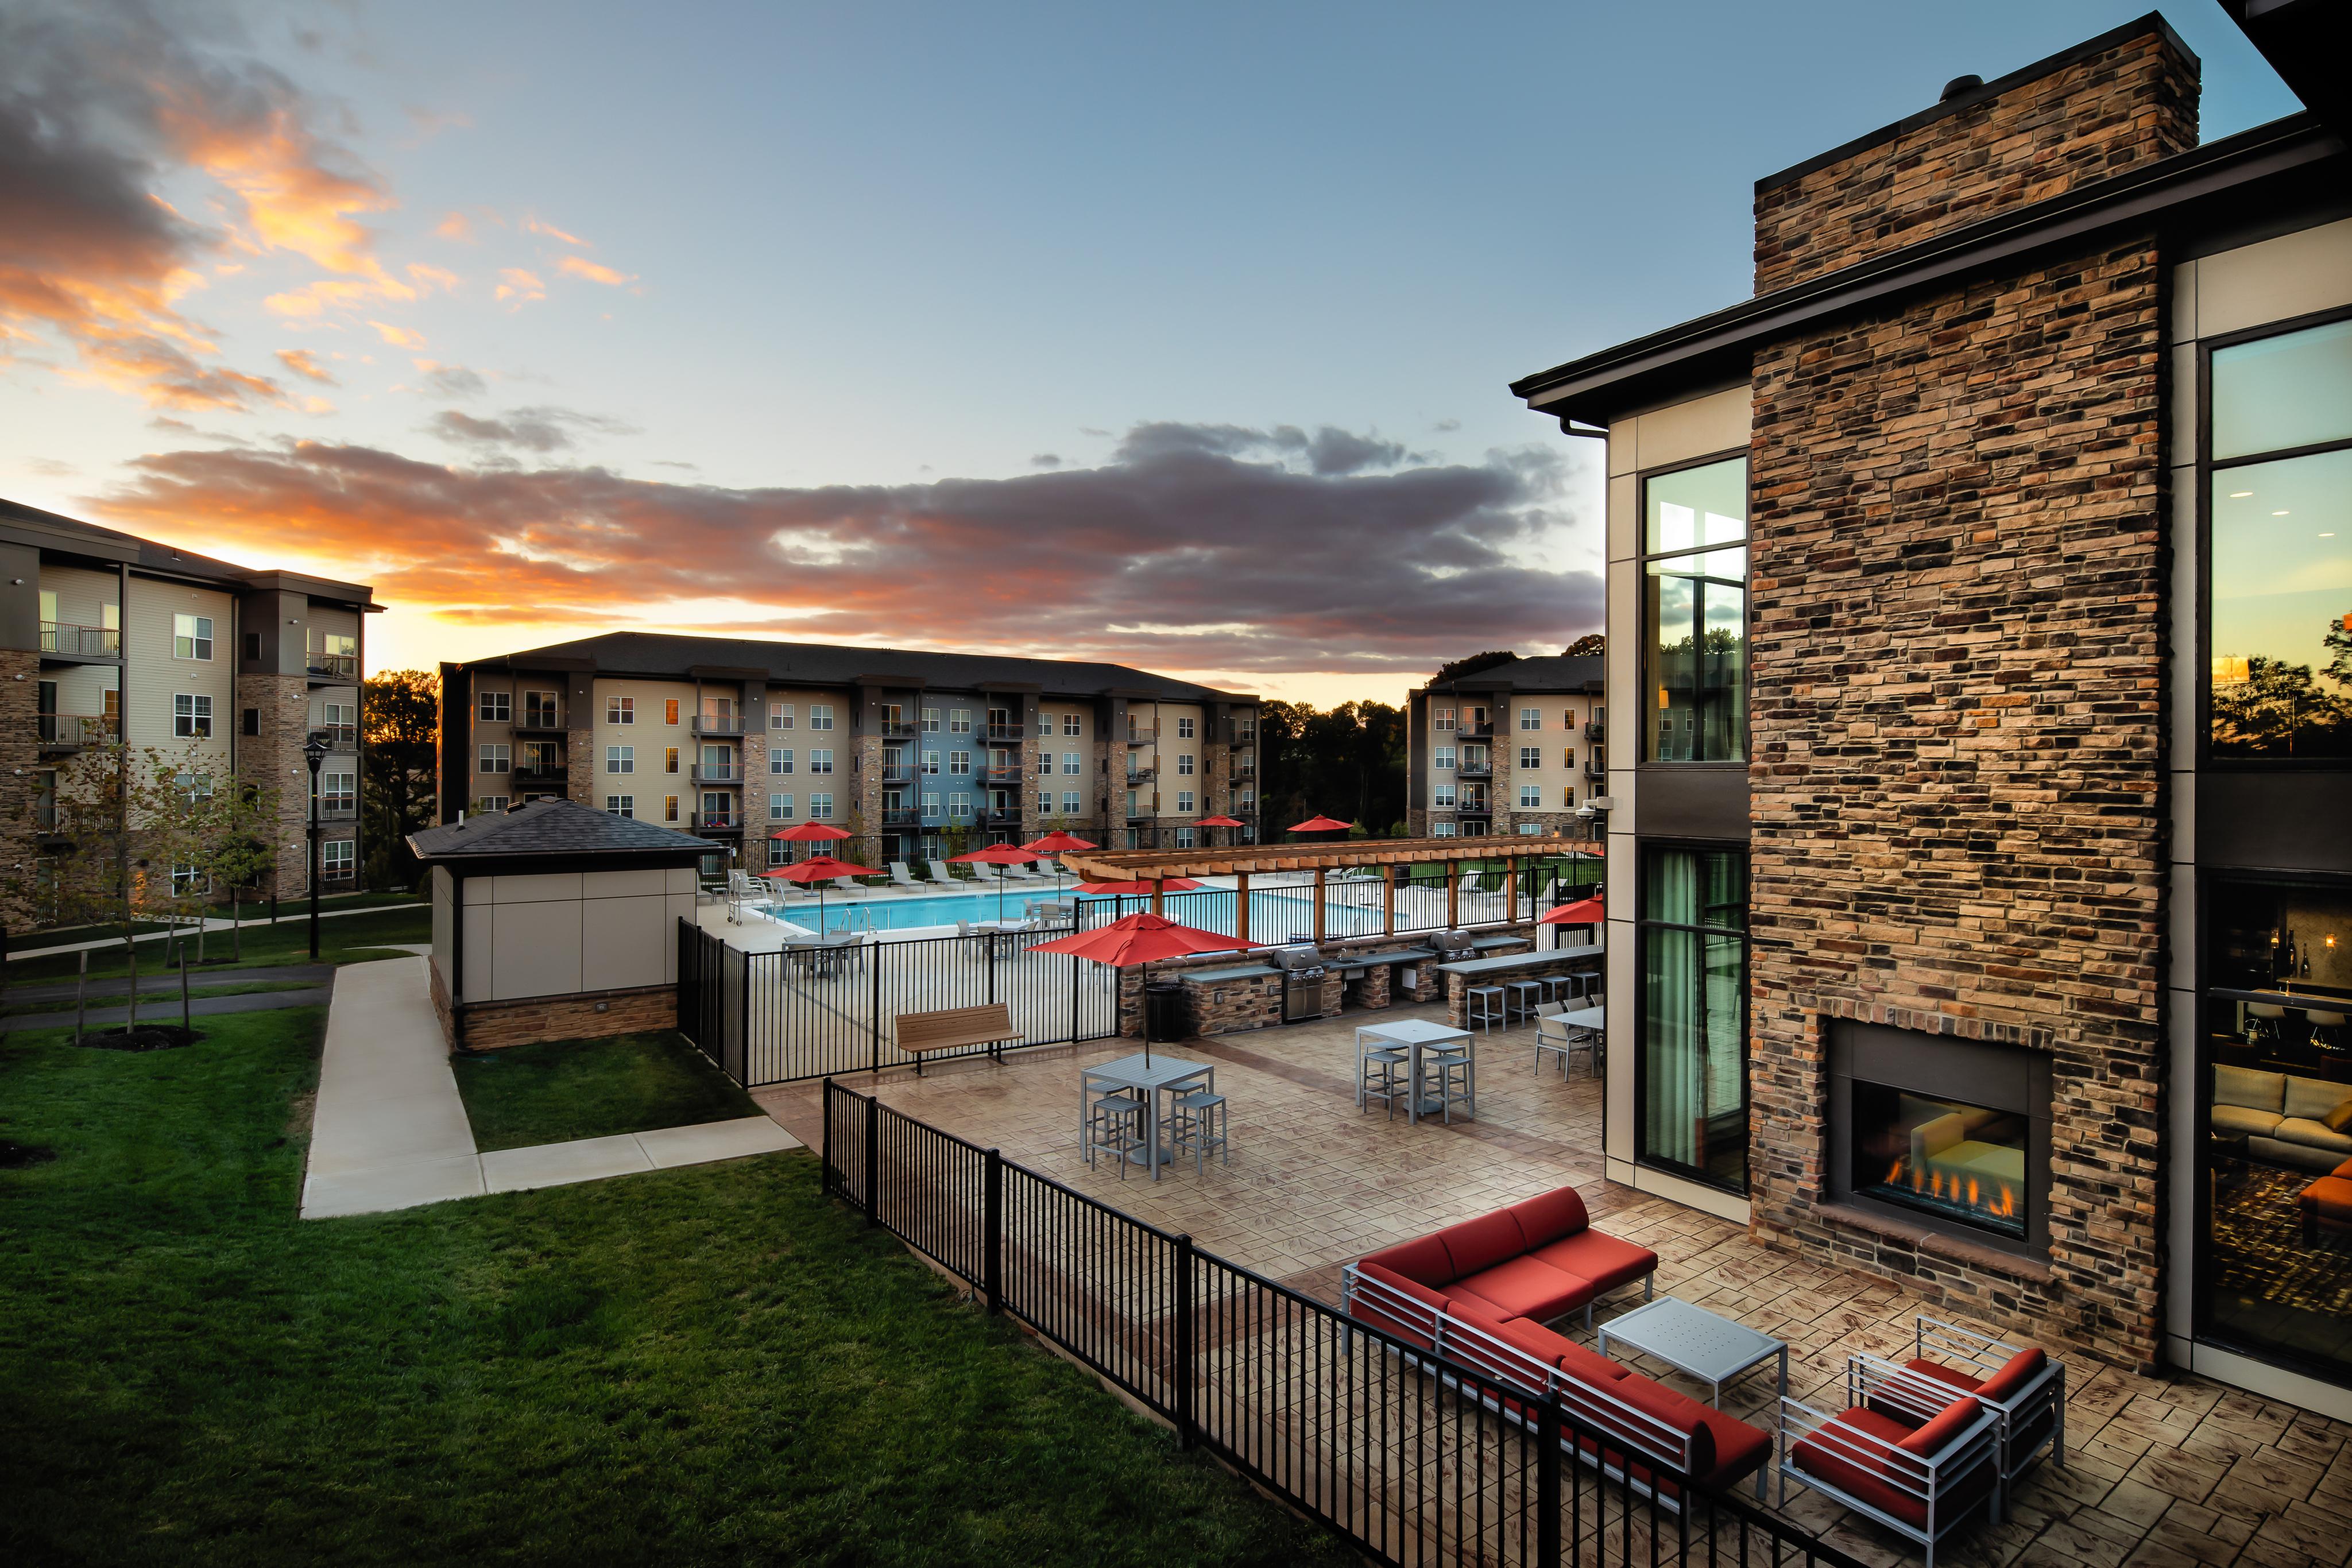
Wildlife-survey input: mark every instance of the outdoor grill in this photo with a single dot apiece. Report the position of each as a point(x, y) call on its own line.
point(1302, 969)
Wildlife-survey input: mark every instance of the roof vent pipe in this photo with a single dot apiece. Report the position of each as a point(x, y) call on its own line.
point(1958, 85)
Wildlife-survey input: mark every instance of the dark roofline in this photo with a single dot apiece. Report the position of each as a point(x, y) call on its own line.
point(1722, 343)
point(54, 530)
point(2153, 22)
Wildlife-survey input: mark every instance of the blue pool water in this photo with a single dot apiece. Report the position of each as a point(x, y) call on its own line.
point(1276, 915)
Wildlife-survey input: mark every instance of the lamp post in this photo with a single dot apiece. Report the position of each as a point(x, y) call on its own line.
point(314, 752)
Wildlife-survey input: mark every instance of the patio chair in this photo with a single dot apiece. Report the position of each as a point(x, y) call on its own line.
point(1922, 1480)
point(902, 877)
point(1020, 873)
point(2021, 1384)
point(848, 884)
point(939, 872)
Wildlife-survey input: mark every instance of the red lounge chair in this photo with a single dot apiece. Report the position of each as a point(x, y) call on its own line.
point(1538, 1258)
point(1920, 1479)
point(2022, 1387)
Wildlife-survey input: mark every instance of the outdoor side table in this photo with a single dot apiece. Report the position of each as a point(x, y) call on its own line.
point(1147, 1077)
point(1416, 1033)
point(1696, 1342)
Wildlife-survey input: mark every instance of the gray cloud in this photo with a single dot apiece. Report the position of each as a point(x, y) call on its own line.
point(1046, 460)
point(538, 430)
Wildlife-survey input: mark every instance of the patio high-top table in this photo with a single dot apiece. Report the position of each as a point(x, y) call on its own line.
point(1147, 1077)
point(1415, 1034)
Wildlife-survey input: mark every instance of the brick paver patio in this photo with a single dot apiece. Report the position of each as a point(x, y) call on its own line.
point(2160, 1472)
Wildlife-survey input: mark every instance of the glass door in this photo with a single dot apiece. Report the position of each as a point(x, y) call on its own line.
point(1691, 1074)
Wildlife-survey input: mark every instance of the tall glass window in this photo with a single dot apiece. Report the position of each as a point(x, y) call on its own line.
point(1695, 542)
point(2279, 545)
point(1692, 1084)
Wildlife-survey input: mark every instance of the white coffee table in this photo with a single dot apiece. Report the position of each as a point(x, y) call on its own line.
point(1692, 1340)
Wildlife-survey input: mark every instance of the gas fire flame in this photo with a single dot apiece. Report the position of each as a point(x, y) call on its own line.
point(2000, 1201)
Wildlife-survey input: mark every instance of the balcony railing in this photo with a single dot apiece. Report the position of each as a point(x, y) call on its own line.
point(717, 773)
point(714, 726)
point(1597, 771)
point(1477, 727)
point(335, 808)
point(897, 773)
point(337, 734)
point(1001, 732)
point(898, 730)
point(1009, 773)
point(1142, 774)
point(334, 666)
point(716, 821)
point(77, 730)
point(540, 721)
point(1596, 731)
point(552, 774)
point(80, 642)
point(902, 816)
point(1475, 769)
point(1142, 737)
point(997, 816)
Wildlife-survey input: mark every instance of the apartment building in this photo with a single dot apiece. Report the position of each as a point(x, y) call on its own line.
point(1985, 580)
point(916, 755)
point(106, 637)
point(1511, 747)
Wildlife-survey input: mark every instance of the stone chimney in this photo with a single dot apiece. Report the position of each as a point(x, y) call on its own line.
point(2102, 107)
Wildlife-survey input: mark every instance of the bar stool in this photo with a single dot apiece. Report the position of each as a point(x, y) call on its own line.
point(1379, 1075)
point(1115, 1124)
point(1554, 985)
point(1524, 995)
point(1200, 1126)
point(2326, 1031)
point(2263, 1019)
point(1453, 1071)
point(1487, 1005)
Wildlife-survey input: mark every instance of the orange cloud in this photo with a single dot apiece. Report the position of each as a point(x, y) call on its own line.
point(520, 286)
point(304, 363)
point(433, 276)
point(456, 226)
point(538, 226)
point(581, 267)
point(399, 337)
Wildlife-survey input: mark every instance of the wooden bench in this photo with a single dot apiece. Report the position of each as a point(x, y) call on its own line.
point(991, 1025)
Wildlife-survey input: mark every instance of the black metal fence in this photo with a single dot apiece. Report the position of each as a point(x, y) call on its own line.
point(1416, 1459)
point(772, 1018)
point(1432, 897)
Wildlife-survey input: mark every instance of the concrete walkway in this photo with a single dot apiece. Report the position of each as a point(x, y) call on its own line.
point(155, 982)
point(160, 1010)
point(213, 923)
point(390, 1131)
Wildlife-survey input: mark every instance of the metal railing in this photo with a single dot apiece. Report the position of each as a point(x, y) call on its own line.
point(80, 642)
point(717, 726)
point(717, 773)
point(337, 734)
point(1595, 769)
point(77, 730)
point(1413, 1456)
point(539, 721)
point(903, 729)
point(1143, 775)
point(1596, 731)
point(902, 816)
point(1142, 737)
point(716, 821)
point(897, 773)
point(1004, 732)
point(1475, 769)
point(333, 666)
point(553, 773)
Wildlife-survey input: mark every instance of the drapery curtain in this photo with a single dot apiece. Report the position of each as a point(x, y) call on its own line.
point(1693, 1013)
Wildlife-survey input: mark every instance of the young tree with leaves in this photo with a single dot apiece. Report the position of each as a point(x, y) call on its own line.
point(400, 714)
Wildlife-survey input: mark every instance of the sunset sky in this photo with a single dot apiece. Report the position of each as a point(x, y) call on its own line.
point(1174, 334)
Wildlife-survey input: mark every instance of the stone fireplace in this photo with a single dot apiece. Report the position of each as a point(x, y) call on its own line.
point(1947, 1133)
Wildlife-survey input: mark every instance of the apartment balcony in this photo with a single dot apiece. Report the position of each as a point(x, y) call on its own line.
point(897, 773)
point(332, 666)
point(95, 644)
point(338, 810)
point(714, 727)
point(1142, 774)
point(729, 823)
point(897, 729)
point(1596, 731)
point(539, 721)
point(716, 773)
point(338, 734)
point(997, 816)
point(1143, 736)
point(72, 731)
point(1005, 733)
point(1141, 813)
point(1478, 729)
point(1475, 769)
point(1597, 771)
point(553, 774)
point(902, 816)
point(1009, 773)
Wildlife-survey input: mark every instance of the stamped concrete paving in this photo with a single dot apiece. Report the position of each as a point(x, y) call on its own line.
point(2160, 1471)
point(390, 1131)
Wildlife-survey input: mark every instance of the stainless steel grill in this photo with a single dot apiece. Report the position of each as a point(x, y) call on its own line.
point(1303, 970)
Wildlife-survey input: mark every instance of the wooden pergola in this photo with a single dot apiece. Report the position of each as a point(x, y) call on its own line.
point(1385, 855)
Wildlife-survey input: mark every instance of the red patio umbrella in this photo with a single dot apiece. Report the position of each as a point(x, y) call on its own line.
point(996, 854)
point(1139, 939)
point(1320, 825)
point(810, 832)
point(819, 869)
point(1125, 889)
point(1220, 822)
point(1055, 846)
point(1583, 912)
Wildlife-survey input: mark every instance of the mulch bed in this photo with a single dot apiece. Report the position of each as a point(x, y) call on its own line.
point(146, 1036)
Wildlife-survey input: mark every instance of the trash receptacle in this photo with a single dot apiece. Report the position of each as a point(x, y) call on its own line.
point(1163, 1011)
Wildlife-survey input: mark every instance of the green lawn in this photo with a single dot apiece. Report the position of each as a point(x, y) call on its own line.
point(570, 1089)
point(347, 939)
point(712, 1364)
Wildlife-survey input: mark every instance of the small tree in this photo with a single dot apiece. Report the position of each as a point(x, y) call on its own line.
point(235, 851)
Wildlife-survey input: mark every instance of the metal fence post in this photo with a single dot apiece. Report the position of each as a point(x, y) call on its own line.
point(832, 1175)
point(991, 1266)
point(875, 1012)
point(1187, 1430)
point(1077, 1023)
point(872, 1160)
point(1548, 1545)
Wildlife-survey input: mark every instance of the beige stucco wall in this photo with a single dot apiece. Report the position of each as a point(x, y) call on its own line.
point(556, 935)
point(153, 677)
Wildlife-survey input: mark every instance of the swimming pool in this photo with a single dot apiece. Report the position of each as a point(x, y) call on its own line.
point(1276, 914)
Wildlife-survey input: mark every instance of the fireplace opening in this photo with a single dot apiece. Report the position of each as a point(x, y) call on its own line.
point(1951, 1135)
point(1945, 1157)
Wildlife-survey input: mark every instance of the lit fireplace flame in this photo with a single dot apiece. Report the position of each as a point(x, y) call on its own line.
point(1999, 1200)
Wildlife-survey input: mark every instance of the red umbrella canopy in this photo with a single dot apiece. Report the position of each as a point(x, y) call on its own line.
point(998, 854)
point(1140, 938)
point(810, 831)
point(1059, 842)
point(1320, 825)
point(1583, 912)
point(1220, 822)
point(1173, 884)
point(820, 868)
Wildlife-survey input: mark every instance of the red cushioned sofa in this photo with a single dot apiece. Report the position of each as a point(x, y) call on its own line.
point(1480, 1293)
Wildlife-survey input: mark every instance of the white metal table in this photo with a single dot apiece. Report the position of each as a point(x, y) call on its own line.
point(1415, 1034)
point(1694, 1340)
point(1583, 1022)
point(1147, 1076)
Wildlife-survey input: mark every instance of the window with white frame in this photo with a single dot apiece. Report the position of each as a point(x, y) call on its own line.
point(1044, 760)
point(1442, 757)
point(1531, 718)
point(1440, 719)
point(959, 762)
point(1184, 764)
point(669, 759)
point(930, 721)
point(1070, 803)
point(780, 716)
point(619, 710)
point(1183, 838)
point(191, 717)
point(191, 637)
point(496, 707)
point(931, 802)
point(820, 759)
point(186, 881)
point(819, 716)
point(960, 808)
point(341, 856)
point(1044, 802)
point(1185, 728)
point(338, 791)
point(1530, 758)
point(1566, 796)
point(1073, 724)
point(780, 808)
point(1245, 798)
point(1074, 762)
point(539, 710)
point(1568, 756)
point(495, 759)
point(1183, 799)
point(1441, 830)
point(780, 853)
point(1531, 828)
point(780, 759)
point(193, 786)
point(1531, 796)
point(821, 808)
point(669, 808)
point(1442, 796)
point(620, 759)
point(620, 805)
point(960, 721)
point(492, 803)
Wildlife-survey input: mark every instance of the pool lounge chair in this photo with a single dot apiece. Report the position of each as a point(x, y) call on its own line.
point(902, 877)
point(939, 872)
point(848, 884)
